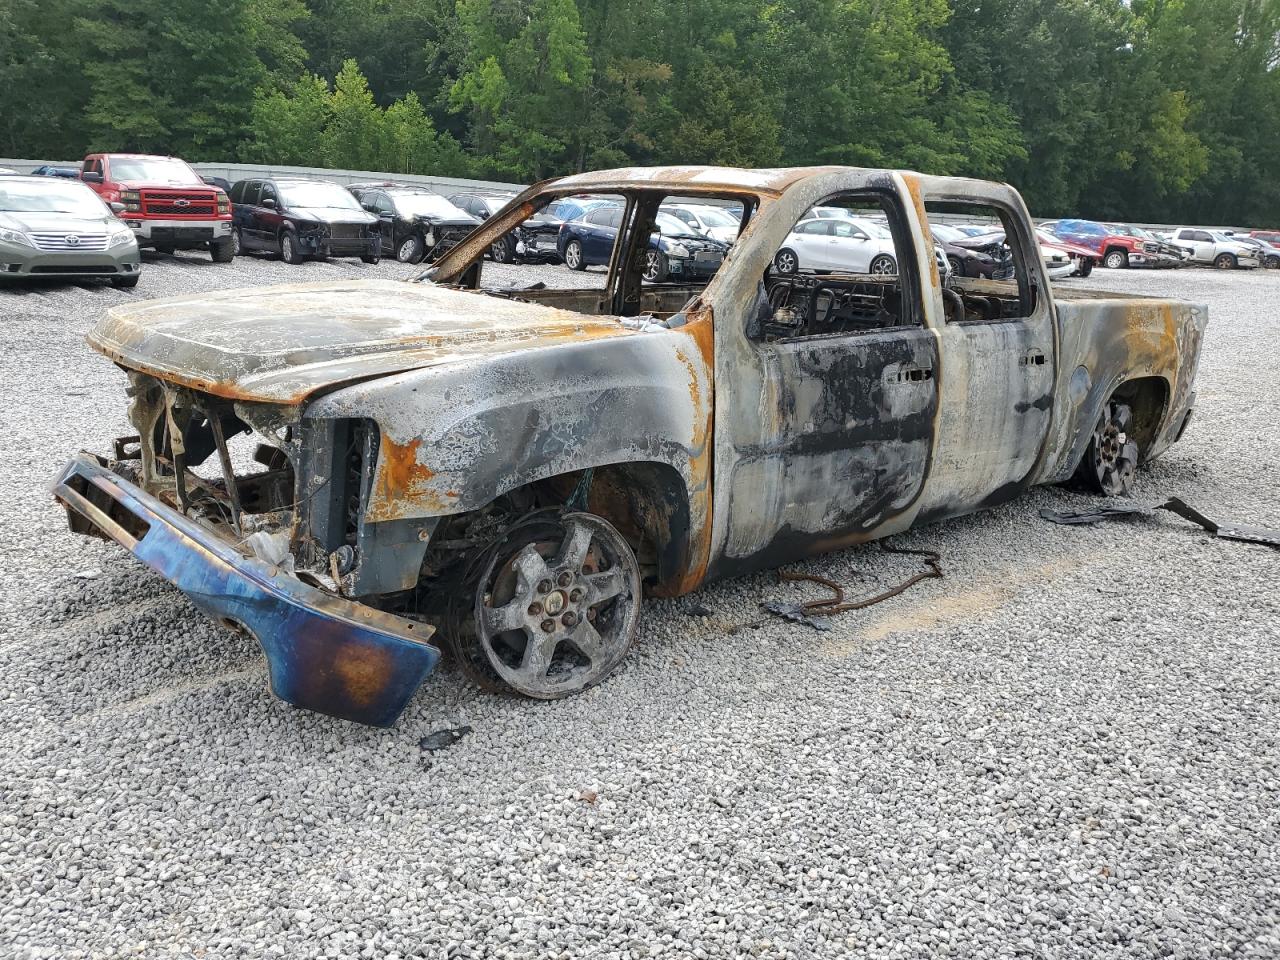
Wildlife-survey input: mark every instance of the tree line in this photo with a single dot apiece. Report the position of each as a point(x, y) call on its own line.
point(1164, 110)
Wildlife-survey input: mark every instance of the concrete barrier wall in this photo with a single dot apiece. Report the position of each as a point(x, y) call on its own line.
point(443, 185)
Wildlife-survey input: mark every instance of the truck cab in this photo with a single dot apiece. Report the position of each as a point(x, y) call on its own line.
point(164, 201)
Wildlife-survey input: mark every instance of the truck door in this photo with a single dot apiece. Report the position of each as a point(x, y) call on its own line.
point(998, 368)
point(825, 411)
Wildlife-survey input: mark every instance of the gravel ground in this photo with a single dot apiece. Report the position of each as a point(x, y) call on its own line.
point(1067, 748)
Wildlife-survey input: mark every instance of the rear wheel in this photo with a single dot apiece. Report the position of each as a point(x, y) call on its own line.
point(237, 242)
point(289, 251)
point(1115, 260)
point(786, 263)
point(1224, 261)
point(1110, 461)
point(369, 258)
point(553, 608)
point(573, 258)
point(224, 250)
point(503, 250)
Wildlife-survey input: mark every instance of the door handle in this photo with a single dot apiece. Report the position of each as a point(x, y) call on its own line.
point(896, 373)
point(1032, 358)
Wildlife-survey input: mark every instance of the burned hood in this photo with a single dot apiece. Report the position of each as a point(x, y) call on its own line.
point(283, 344)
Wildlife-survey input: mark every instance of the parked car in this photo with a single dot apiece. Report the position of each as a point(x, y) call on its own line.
point(59, 228)
point(416, 224)
point(1116, 247)
point(573, 208)
point(534, 240)
point(1082, 258)
point(706, 220)
point(300, 217)
point(1268, 253)
point(166, 204)
point(1058, 263)
point(47, 170)
point(674, 251)
point(964, 261)
point(1216, 248)
point(837, 243)
point(510, 472)
point(222, 183)
point(1269, 236)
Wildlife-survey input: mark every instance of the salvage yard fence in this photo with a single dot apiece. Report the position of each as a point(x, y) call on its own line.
point(446, 185)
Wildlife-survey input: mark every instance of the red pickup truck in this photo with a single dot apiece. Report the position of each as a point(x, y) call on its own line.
point(164, 201)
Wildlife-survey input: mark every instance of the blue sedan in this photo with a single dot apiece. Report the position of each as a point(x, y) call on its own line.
point(675, 251)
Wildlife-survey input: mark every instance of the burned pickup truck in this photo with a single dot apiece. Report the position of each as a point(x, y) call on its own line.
point(359, 473)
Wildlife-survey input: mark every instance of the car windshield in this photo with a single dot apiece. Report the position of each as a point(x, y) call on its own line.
point(153, 170)
point(426, 205)
point(877, 230)
point(322, 196)
point(715, 218)
point(945, 233)
point(1224, 238)
point(50, 196)
point(673, 226)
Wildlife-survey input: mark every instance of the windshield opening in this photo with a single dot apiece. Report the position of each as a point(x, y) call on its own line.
point(323, 196)
point(51, 197)
point(153, 169)
point(426, 204)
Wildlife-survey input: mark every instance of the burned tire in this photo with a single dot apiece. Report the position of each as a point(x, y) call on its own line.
point(1225, 261)
point(289, 251)
point(573, 258)
point(553, 607)
point(786, 263)
point(1110, 461)
point(1115, 260)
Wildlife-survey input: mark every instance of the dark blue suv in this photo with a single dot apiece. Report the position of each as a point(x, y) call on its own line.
point(675, 251)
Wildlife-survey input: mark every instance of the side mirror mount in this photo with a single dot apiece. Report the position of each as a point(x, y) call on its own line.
point(91, 177)
point(117, 207)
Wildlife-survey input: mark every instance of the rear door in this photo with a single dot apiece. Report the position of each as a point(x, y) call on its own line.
point(248, 215)
point(850, 247)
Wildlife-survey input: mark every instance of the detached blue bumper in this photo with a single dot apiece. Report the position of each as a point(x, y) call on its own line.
point(323, 652)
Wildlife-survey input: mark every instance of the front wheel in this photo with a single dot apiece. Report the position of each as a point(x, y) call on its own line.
point(1085, 268)
point(410, 249)
point(289, 251)
point(1224, 261)
point(237, 242)
point(1110, 461)
point(573, 258)
point(655, 266)
point(786, 263)
point(553, 609)
point(1115, 260)
point(957, 266)
point(503, 250)
point(1272, 263)
point(884, 266)
point(224, 250)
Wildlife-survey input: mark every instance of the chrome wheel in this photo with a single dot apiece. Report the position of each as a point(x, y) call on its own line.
point(884, 266)
point(1116, 260)
point(557, 605)
point(408, 251)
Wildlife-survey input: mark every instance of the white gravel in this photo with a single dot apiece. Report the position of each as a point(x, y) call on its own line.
point(1067, 748)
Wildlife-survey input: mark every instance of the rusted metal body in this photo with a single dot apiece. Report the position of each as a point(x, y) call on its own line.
point(398, 411)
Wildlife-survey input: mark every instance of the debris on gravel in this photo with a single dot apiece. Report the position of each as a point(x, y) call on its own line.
point(1067, 747)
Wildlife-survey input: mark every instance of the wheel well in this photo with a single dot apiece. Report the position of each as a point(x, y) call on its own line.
point(1114, 249)
point(1148, 398)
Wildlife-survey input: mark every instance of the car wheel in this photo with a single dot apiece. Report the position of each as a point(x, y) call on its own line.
point(125, 283)
point(1272, 263)
point(503, 250)
point(1224, 261)
point(289, 252)
point(369, 258)
point(1115, 260)
point(786, 263)
point(884, 266)
point(573, 258)
point(655, 266)
point(237, 242)
point(223, 251)
point(553, 609)
point(957, 266)
point(1086, 267)
point(410, 249)
point(165, 248)
point(1110, 461)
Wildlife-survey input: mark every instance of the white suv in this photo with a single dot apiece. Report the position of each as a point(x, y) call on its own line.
point(1213, 246)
